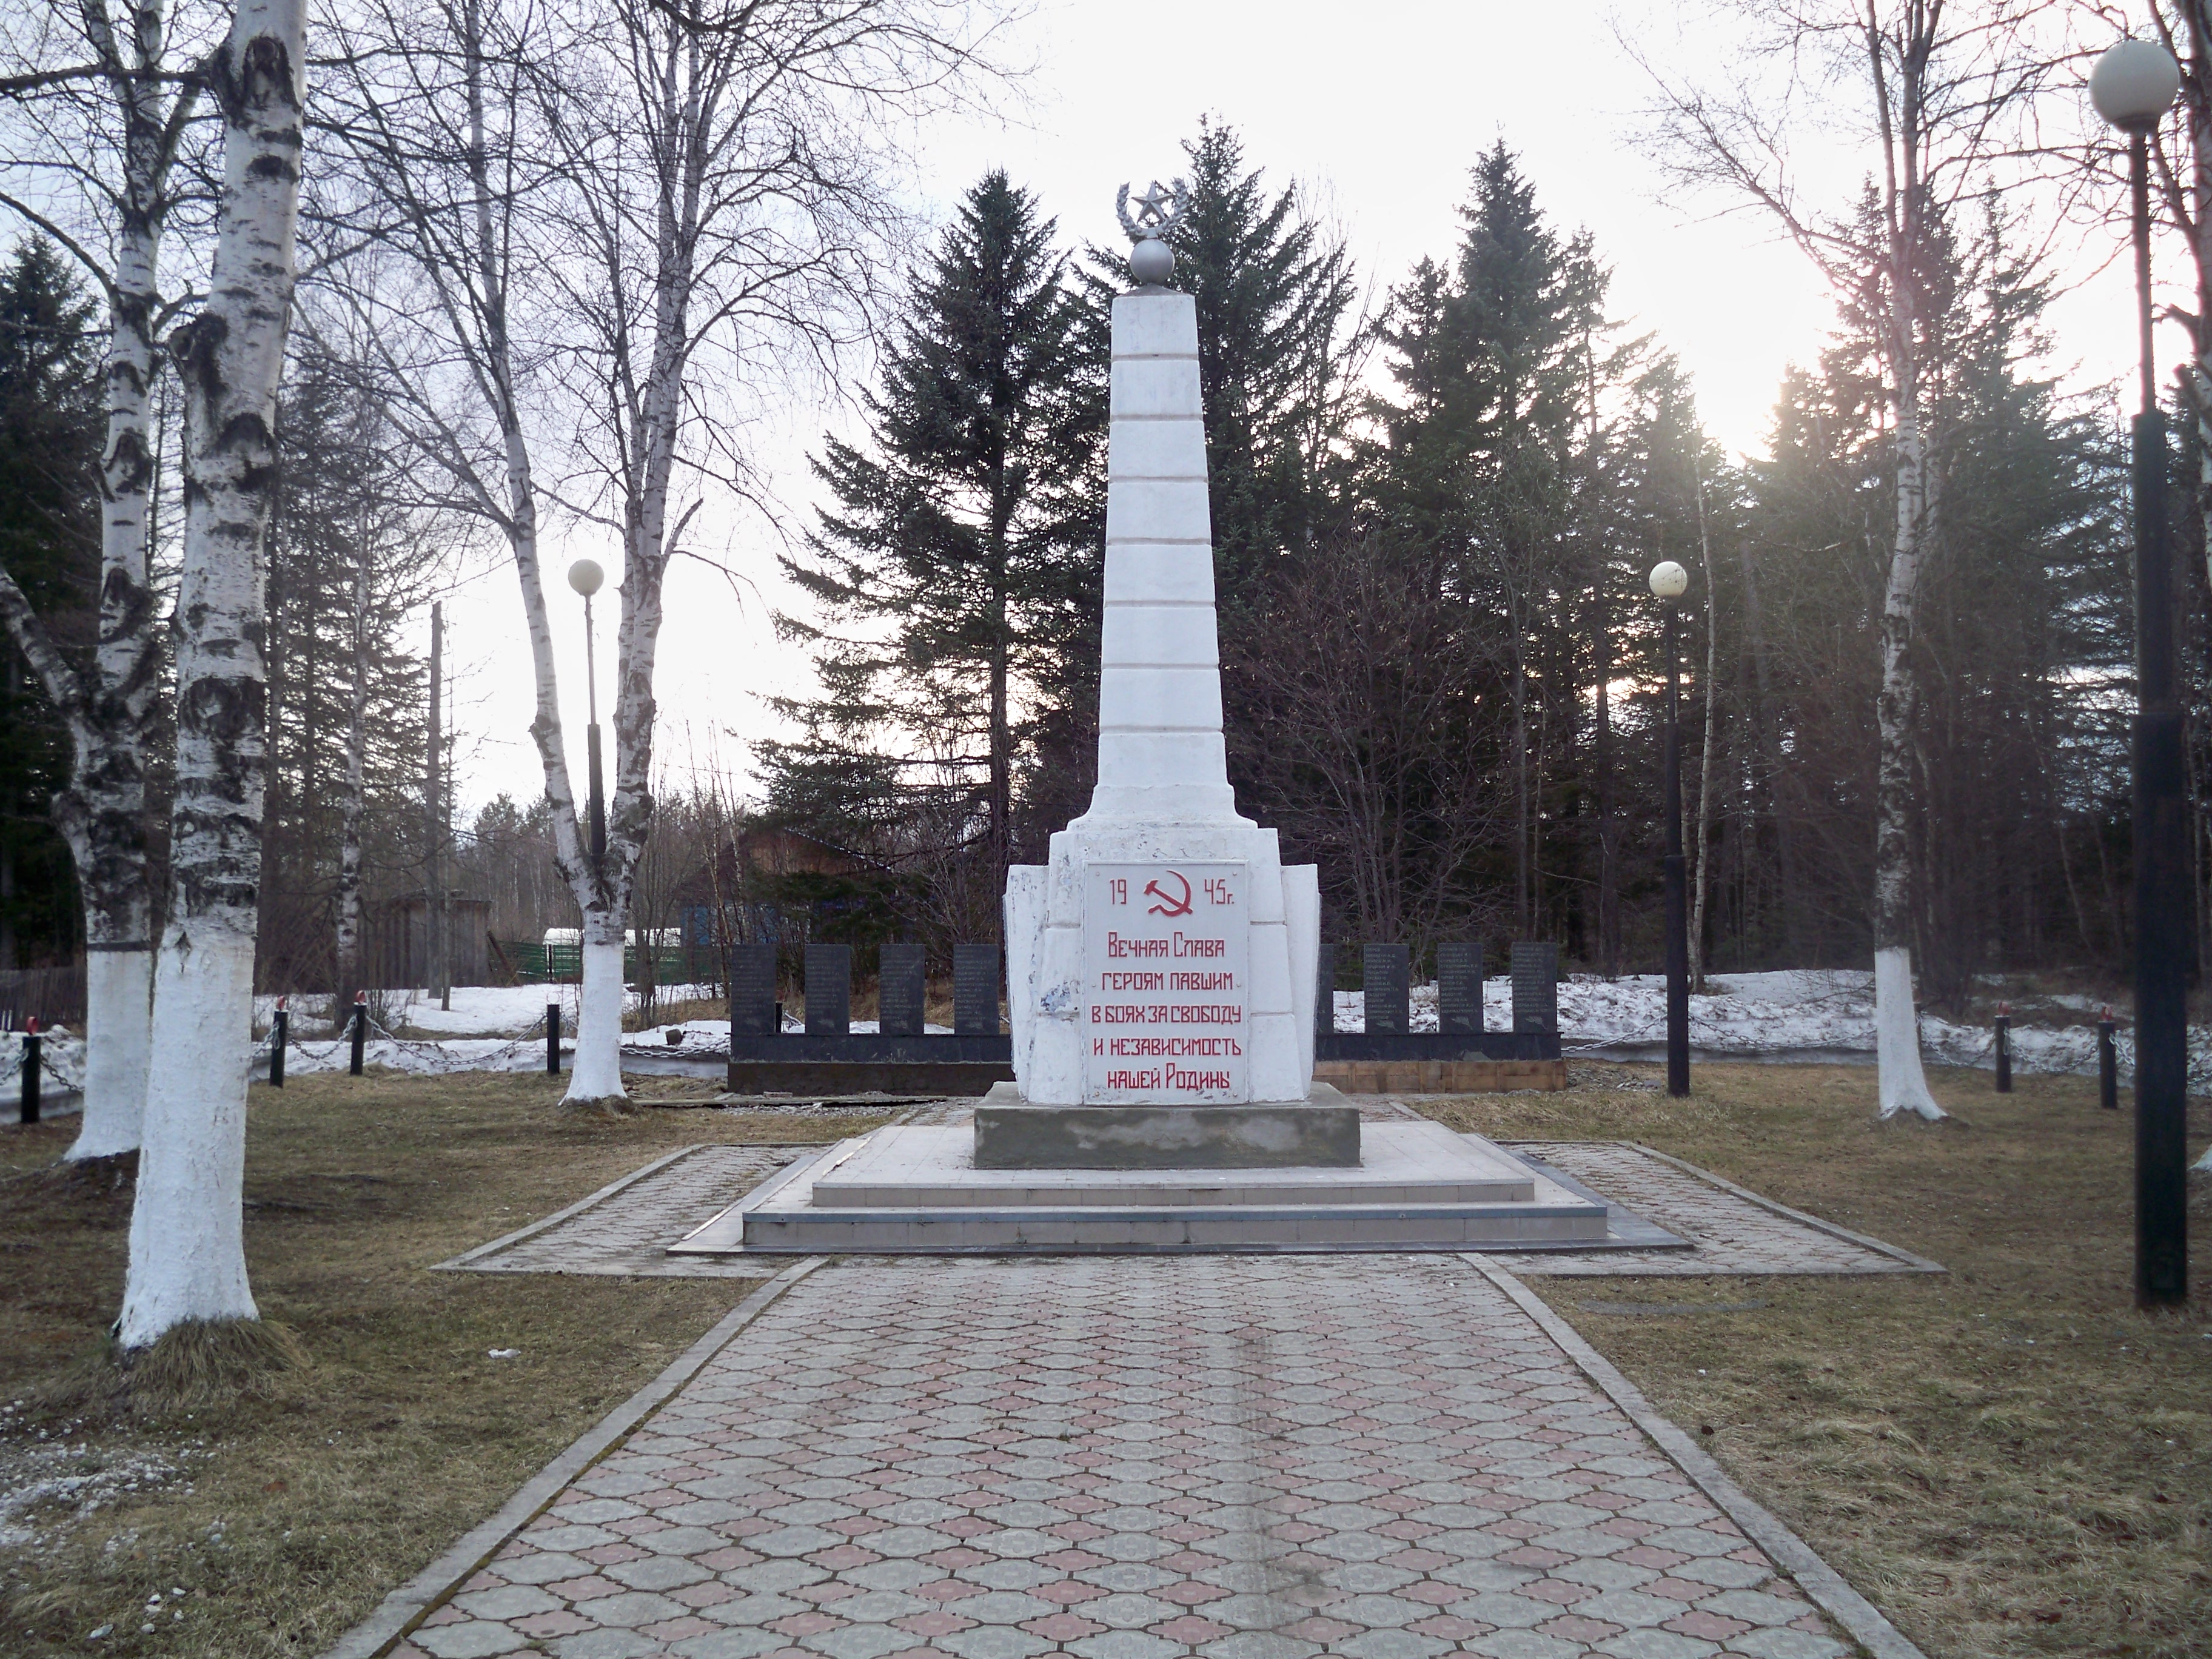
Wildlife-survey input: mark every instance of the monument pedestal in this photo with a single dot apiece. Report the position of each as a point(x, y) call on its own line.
point(1417, 1185)
point(1009, 1134)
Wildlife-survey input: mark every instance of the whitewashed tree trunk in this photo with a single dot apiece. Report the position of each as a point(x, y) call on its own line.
point(597, 1073)
point(119, 1018)
point(187, 1225)
point(187, 1250)
point(1902, 1082)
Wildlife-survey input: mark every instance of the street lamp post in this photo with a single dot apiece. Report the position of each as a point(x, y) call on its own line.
point(2133, 86)
point(585, 577)
point(1669, 581)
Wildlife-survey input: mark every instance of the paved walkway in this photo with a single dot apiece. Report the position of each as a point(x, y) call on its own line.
point(1134, 1458)
point(625, 1227)
point(1732, 1230)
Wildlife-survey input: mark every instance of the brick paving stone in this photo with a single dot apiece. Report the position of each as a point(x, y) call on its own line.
point(1241, 1457)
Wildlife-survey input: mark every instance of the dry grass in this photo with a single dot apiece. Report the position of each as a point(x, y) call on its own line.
point(198, 1366)
point(287, 1517)
point(2008, 1458)
point(665, 1011)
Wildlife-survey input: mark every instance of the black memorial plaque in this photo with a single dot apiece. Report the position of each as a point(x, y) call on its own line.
point(1388, 976)
point(752, 990)
point(1535, 985)
point(1325, 989)
point(1459, 987)
point(899, 988)
point(976, 990)
point(828, 990)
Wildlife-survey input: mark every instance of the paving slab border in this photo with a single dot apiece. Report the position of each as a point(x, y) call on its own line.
point(1919, 1264)
point(1827, 1586)
point(582, 1204)
point(407, 1607)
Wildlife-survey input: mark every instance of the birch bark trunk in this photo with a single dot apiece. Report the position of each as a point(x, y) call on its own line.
point(1902, 1084)
point(109, 712)
point(187, 1248)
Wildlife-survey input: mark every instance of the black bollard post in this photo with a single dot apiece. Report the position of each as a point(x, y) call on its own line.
point(2108, 1064)
point(2004, 1047)
point(552, 1039)
point(32, 1066)
point(360, 1028)
point(277, 1030)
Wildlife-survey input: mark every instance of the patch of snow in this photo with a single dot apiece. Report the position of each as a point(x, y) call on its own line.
point(477, 1009)
point(61, 1058)
point(1810, 1016)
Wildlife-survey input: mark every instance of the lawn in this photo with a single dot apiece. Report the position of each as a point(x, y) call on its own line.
point(289, 1520)
point(2007, 1458)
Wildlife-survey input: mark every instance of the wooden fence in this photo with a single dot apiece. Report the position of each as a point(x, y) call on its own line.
point(52, 996)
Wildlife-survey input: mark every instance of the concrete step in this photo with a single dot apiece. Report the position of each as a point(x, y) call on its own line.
point(906, 1191)
point(1407, 1163)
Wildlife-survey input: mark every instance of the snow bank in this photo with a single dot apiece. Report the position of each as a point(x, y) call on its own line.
point(61, 1058)
point(1805, 1016)
point(479, 1011)
point(1802, 1016)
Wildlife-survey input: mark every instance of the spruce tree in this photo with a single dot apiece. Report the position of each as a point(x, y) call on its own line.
point(49, 439)
point(955, 574)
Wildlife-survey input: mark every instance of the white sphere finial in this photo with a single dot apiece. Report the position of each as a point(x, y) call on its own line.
point(1669, 581)
point(586, 576)
point(1159, 210)
point(2134, 84)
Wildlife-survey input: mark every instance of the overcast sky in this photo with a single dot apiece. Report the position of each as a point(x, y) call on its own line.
point(1378, 111)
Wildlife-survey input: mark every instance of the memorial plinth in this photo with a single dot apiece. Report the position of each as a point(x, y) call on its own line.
point(1163, 960)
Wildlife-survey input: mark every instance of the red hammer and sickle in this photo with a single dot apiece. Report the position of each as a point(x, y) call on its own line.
point(1169, 906)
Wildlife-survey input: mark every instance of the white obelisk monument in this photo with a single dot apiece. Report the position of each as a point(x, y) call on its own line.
point(1165, 956)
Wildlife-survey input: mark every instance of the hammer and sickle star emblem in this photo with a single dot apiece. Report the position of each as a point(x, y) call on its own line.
point(1168, 905)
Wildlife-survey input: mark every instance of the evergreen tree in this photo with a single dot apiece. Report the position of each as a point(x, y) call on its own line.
point(1487, 453)
point(2020, 800)
point(957, 575)
point(50, 424)
point(350, 559)
point(1274, 295)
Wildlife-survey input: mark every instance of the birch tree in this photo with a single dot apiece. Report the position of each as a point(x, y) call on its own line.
point(1928, 92)
point(102, 137)
point(681, 198)
point(187, 1245)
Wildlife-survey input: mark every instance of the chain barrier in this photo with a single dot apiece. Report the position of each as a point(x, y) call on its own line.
point(338, 1051)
